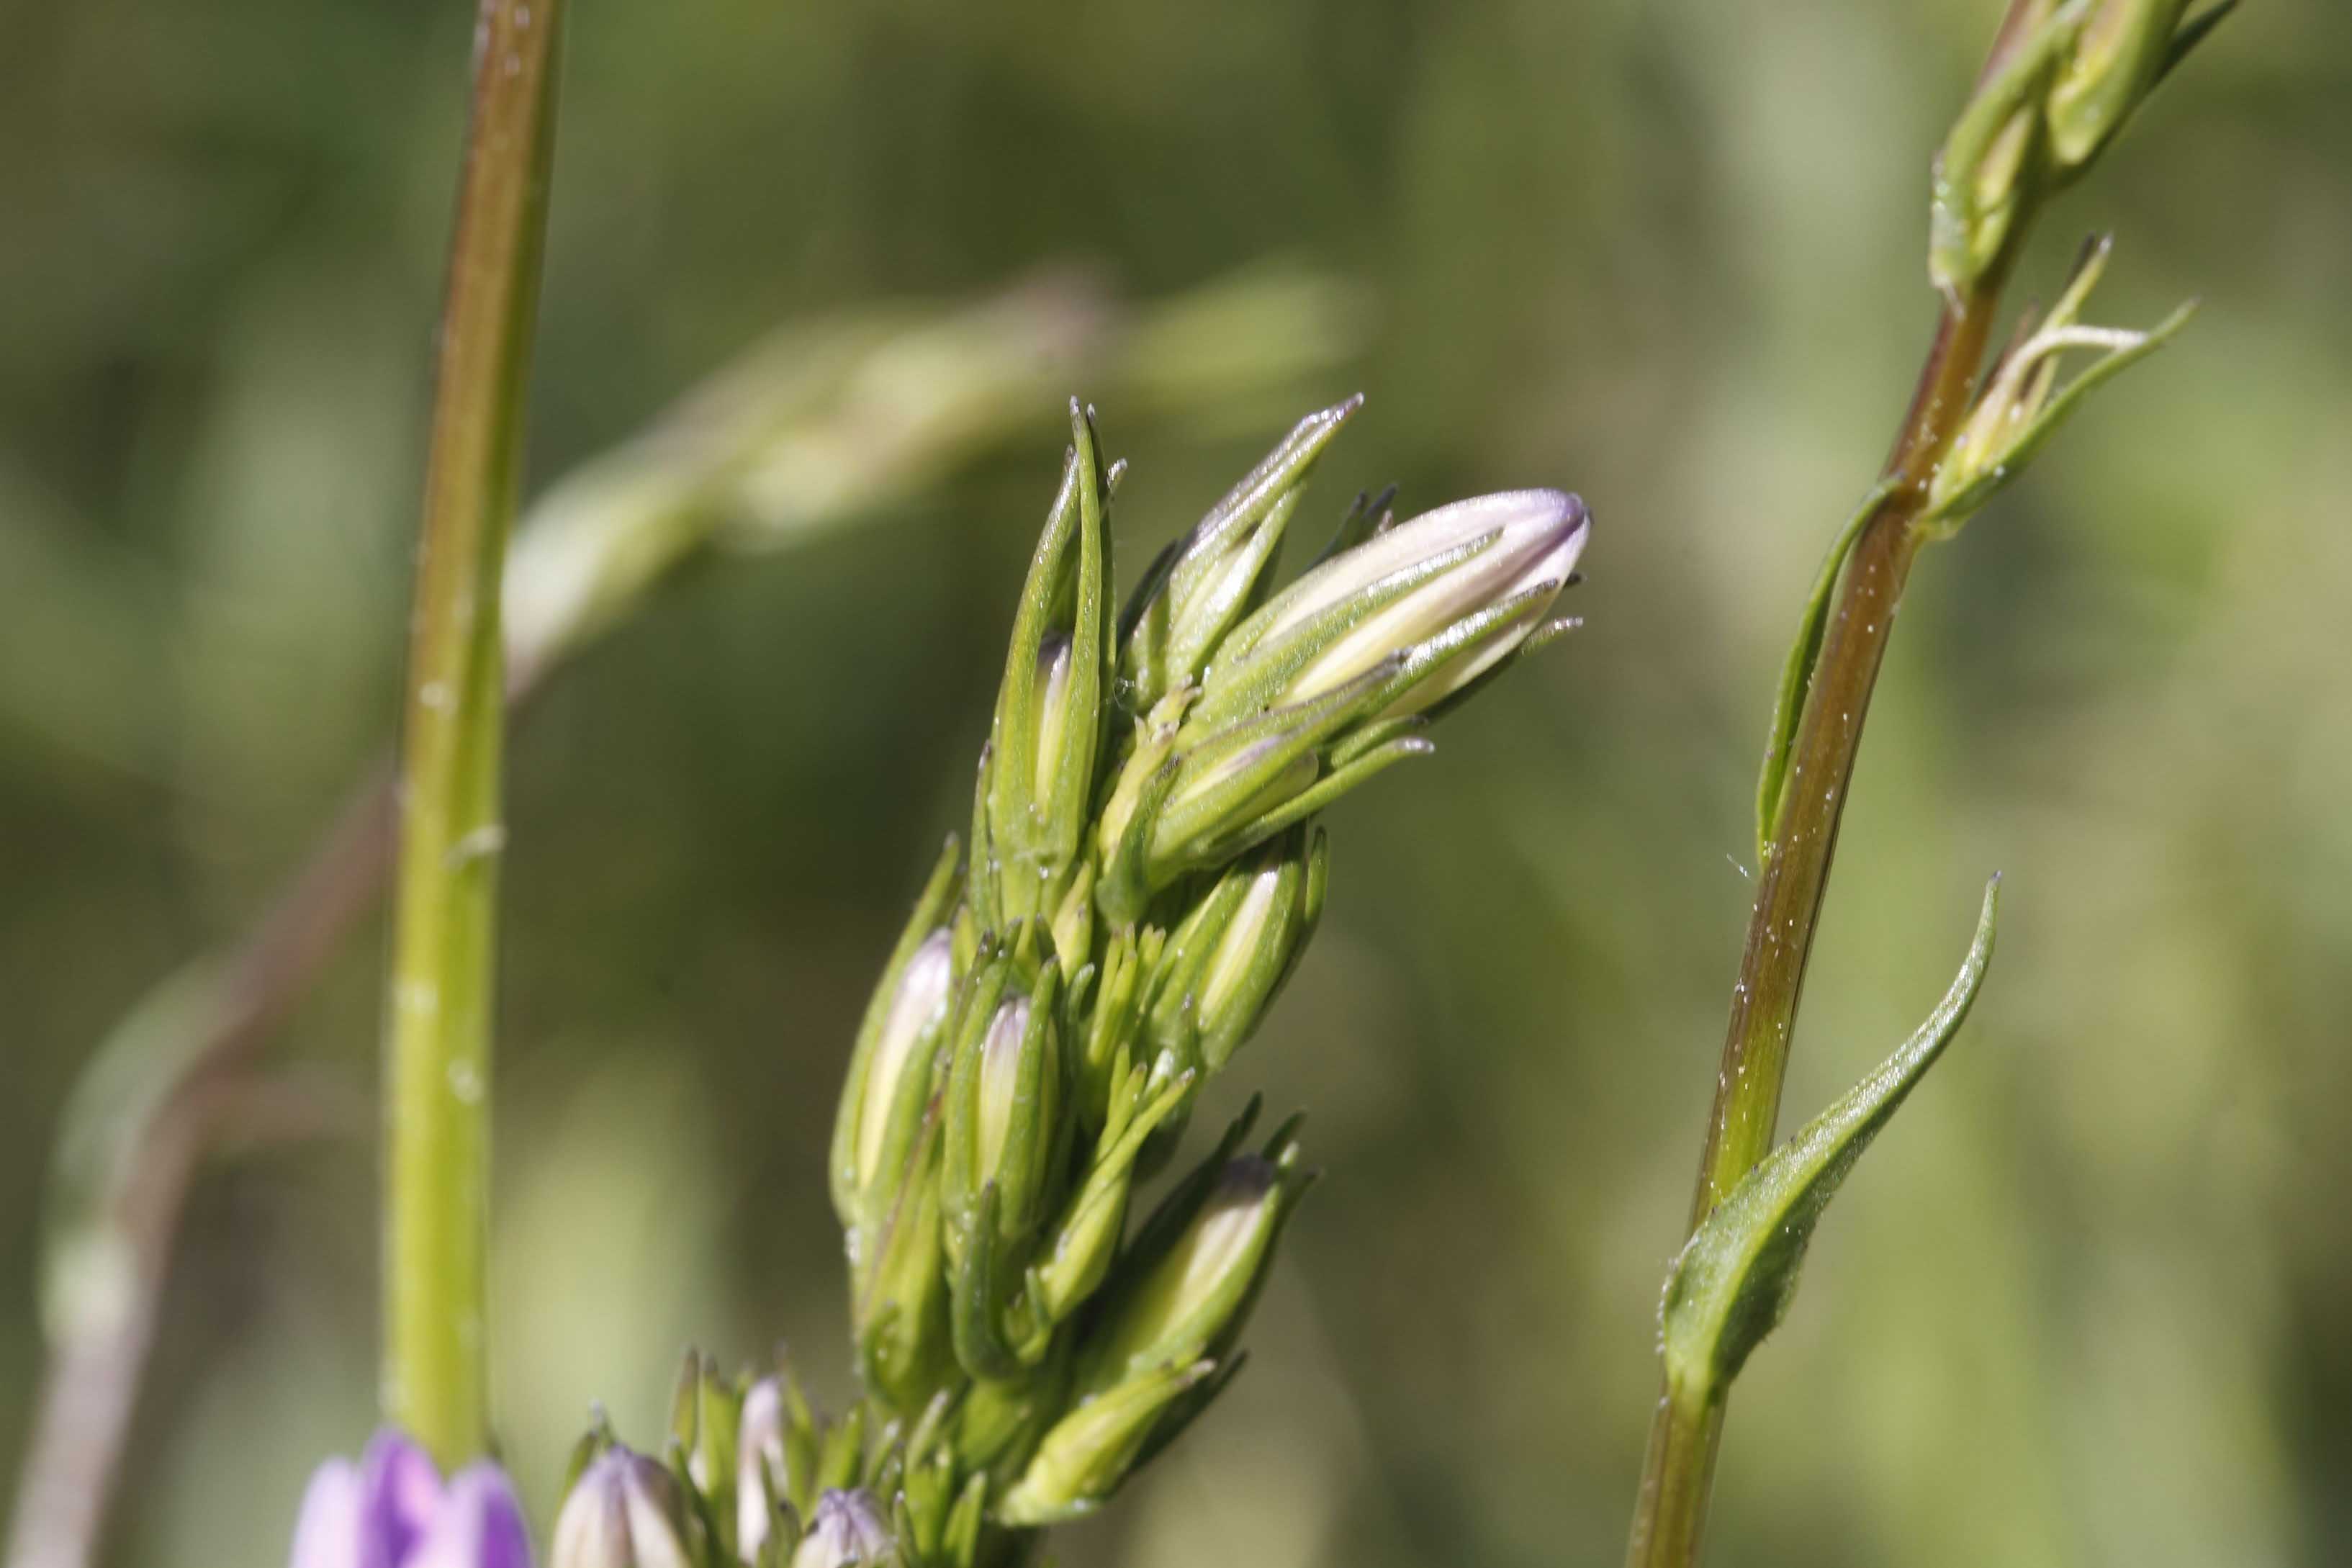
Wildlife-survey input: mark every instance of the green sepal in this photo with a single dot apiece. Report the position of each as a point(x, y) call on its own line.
point(960, 1540)
point(1255, 665)
point(1367, 516)
point(1316, 795)
point(1149, 1321)
point(1238, 777)
point(1032, 1133)
point(1733, 1279)
point(977, 1307)
point(1077, 1256)
point(2193, 32)
point(1091, 1450)
point(1202, 583)
point(590, 1446)
point(1187, 1408)
point(2127, 48)
point(1037, 785)
point(998, 1425)
point(841, 1456)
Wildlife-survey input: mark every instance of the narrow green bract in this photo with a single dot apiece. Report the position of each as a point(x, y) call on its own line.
point(1735, 1277)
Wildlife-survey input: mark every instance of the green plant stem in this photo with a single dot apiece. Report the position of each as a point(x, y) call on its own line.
point(442, 989)
point(1685, 1435)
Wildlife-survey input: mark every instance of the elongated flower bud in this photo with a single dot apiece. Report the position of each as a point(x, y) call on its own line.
point(1192, 1287)
point(760, 1478)
point(1402, 592)
point(1209, 579)
point(625, 1511)
point(1233, 951)
point(1990, 167)
point(890, 1078)
point(2115, 61)
point(1036, 786)
point(848, 1530)
point(1004, 1107)
point(1324, 685)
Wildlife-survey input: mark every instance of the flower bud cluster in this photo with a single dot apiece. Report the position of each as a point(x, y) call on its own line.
point(1143, 874)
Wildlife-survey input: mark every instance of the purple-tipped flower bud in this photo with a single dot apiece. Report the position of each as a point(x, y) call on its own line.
point(1411, 590)
point(848, 1530)
point(625, 1511)
point(1319, 689)
point(392, 1511)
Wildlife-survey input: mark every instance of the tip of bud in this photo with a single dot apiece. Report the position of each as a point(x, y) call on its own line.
point(848, 1529)
point(625, 1511)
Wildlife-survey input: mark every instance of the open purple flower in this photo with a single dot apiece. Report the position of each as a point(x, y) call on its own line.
point(393, 1509)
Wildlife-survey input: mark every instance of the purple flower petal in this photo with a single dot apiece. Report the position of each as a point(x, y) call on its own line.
point(400, 1495)
point(327, 1531)
point(480, 1526)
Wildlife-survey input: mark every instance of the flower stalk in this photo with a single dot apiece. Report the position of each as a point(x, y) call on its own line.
point(1992, 179)
point(438, 1012)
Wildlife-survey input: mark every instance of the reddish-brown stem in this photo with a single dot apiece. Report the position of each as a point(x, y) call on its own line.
point(1677, 1474)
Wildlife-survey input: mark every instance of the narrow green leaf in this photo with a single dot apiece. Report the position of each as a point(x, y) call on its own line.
point(1797, 675)
point(1735, 1279)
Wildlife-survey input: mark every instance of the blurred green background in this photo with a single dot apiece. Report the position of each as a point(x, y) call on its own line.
point(2091, 1303)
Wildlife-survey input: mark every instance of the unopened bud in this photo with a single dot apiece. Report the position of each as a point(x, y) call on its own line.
point(1003, 1106)
point(848, 1530)
point(1036, 787)
point(1191, 1294)
point(1232, 954)
point(760, 1467)
point(625, 1511)
point(2115, 60)
point(1410, 592)
point(1989, 167)
point(1321, 687)
point(890, 1078)
point(1087, 1453)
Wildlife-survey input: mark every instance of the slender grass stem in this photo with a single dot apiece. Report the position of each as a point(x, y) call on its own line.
point(438, 1012)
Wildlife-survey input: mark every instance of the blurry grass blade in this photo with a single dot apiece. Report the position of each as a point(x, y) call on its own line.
point(1735, 1279)
point(1797, 674)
